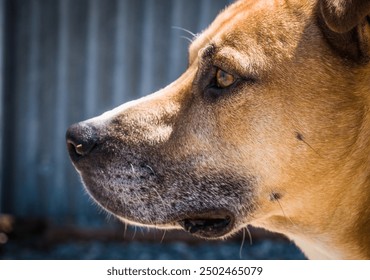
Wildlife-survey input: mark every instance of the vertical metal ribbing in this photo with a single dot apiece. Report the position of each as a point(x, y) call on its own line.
point(179, 41)
point(92, 80)
point(147, 47)
point(209, 10)
point(59, 192)
point(27, 122)
point(206, 8)
point(121, 69)
point(127, 51)
point(2, 31)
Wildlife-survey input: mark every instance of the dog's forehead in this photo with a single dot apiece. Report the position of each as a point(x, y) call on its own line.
point(244, 27)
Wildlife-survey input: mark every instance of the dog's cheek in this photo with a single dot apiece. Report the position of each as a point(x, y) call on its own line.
point(256, 139)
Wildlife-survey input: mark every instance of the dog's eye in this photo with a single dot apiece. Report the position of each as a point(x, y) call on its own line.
point(219, 82)
point(224, 79)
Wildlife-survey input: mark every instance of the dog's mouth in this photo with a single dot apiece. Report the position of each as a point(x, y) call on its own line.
point(209, 225)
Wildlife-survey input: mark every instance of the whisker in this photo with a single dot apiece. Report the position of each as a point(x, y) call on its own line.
point(125, 230)
point(133, 169)
point(165, 206)
point(242, 245)
point(282, 210)
point(250, 235)
point(281, 207)
point(151, 169)
point(164, 234)
point(187, 39)
point(134, 235)
point(301, 138)
point(185, 30)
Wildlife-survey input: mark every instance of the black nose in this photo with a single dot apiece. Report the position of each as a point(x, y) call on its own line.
point(81, 140)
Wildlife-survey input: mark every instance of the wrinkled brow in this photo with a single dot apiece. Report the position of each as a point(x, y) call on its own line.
point(207, 52)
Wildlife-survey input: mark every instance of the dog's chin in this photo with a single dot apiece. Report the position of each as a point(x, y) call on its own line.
point(215, 224)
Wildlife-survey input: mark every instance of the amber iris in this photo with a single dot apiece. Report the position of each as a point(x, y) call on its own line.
point(224, 79)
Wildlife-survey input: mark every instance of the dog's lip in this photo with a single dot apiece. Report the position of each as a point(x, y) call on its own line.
point(209, 224)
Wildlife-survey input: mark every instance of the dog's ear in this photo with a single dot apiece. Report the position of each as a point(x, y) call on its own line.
point(346, 25)
point(342, 16)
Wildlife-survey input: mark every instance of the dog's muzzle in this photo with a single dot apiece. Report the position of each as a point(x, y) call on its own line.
point(140, 183)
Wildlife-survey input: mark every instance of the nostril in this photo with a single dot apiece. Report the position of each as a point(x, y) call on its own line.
point(79, 149)
point(81, 140)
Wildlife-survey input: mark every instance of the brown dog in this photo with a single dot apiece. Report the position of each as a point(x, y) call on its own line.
point(268, 126)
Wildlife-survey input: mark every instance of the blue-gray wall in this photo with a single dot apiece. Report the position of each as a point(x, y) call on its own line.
point(63, 61)
point(2, 11)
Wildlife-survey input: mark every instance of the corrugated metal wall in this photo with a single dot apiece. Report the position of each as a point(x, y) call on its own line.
point(2, 12)
point(63, 61)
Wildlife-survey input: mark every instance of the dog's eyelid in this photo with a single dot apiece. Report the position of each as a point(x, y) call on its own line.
point(237, 72)
point(233, 62)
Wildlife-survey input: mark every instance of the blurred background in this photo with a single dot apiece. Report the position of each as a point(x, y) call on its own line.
point(63, 61)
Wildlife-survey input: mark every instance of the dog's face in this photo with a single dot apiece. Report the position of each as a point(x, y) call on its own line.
point(258, 130)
